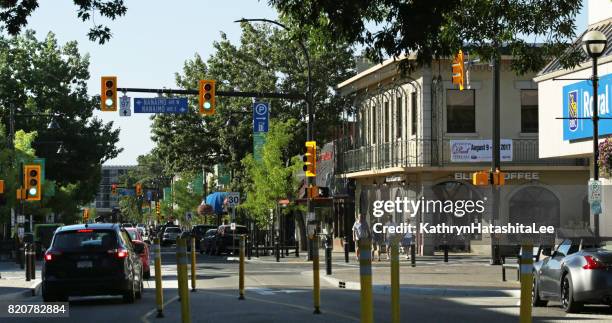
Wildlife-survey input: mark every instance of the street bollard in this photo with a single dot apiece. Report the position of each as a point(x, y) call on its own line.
point(412, 255)
point(193, 264)
point(20, 257)
point(297, 249)
point(445, 252)
point(309, 250)
point(181, 263)
point(328, 256)
point(365, 277)
point(526, 267)
point(346, 250)
point(159, 296)
point(33, 261)
point(28, 263)
point(277, 251)
point(316, 292)
point(241, 268)
point(395, 285)
point(250, 249)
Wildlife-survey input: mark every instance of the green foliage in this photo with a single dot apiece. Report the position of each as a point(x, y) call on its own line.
point(185, 199)
point(271, 179)
point(438, 28)
point(14, 15)
point(23, 142)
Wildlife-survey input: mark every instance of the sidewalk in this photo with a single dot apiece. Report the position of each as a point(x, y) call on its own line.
point(13, 284)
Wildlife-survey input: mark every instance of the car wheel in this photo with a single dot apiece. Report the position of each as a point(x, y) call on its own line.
point(536, 301)
point(147, 274)
point(567, 296)
point(140, 289)
point(129, 296)
point(48, 297)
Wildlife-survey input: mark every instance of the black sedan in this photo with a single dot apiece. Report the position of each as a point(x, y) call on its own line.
point(92, 259)
point(578, 272)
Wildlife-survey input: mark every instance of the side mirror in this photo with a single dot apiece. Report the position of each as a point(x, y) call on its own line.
point(139, 248)
point(547, 251)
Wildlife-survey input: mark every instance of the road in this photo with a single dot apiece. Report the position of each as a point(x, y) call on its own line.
point(281, 292)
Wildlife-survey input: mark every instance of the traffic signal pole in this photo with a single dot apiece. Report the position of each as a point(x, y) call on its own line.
point(496, 163)
point(273, 95)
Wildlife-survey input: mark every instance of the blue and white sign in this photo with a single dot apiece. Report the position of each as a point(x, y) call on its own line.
point(261, 116)
point(124, 106)
point(578, 103)
point(160, 105)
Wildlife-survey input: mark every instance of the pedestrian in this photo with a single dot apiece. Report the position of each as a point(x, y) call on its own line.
point(389, 236)
point(360, 231)
point(378, 241)
point(407, 242)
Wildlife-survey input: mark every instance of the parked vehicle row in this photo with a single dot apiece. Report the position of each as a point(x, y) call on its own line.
point(222, 240)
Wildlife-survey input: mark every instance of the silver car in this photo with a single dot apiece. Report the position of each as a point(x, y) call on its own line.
point(170, 235)
point(578, 272)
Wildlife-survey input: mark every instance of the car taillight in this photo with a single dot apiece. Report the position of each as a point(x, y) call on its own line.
point(121, 253)
point(592, 263)
point(50, 255)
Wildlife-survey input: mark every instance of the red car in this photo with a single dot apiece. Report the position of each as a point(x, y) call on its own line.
point(144, 257)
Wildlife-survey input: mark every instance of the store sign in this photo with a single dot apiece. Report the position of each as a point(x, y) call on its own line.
point(578, 103)
point(478, 150)
point(509, 176)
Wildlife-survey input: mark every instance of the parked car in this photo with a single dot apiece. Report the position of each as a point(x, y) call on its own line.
point(127, 225)
point(228, 241)
point(144, 234)
point(208, 242)
point(198, 231)
point(92, 259)
point(137, 239)
point(577, 272)
point(170, 234)
point(43, 234)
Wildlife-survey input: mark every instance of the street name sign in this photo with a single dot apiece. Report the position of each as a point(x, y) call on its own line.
point(160, 105)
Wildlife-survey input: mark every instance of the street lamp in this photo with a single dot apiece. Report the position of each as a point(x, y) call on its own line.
point(594, 44)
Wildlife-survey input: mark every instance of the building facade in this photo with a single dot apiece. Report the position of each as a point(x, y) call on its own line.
point(417, 136)
point(105, 201)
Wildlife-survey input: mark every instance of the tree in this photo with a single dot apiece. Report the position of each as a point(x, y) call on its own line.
point(14, 15)
point(42, 77)
point(438, 28)
point(271, 179)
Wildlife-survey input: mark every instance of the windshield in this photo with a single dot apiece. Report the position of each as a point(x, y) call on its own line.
point(132, 234)
point(173, 230)
point(85, 239)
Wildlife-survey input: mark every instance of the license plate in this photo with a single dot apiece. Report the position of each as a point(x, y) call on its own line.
point(84, 264)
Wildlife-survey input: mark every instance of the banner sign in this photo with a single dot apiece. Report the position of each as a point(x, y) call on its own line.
point(478, 150)
point(578, 103)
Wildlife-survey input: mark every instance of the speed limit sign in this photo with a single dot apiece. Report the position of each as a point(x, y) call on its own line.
point(233, 198)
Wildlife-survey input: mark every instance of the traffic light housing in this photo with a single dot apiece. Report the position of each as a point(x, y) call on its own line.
point(458, 73)
point(85, 215)
point(158, 208)
point(108, 93)
point(31, 182)
point(138, 189)
point(480, 178)
point(114, 189)
point(499, 178)
point(206, 89)
point(310, 158)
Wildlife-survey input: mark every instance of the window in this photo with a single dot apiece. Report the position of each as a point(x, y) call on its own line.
point(460, 111)
point(364, 125)
point(387, 124)
point(398, 118)
point(413, 116)
point(564, 248)
point(529, 111)
point(373, 127)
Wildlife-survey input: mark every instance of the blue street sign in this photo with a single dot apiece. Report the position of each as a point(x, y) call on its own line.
point(160, 105)
point(261, 116)
point(127, 192)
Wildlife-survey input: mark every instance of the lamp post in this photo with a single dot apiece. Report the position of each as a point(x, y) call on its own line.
point(594, 44)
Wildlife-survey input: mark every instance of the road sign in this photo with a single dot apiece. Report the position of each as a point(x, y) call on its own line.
point(261, 115)
point(233, 199)
point(259, 140)
point(233, 226)
point(160, 105)
point(124, 106)
point(594, 191)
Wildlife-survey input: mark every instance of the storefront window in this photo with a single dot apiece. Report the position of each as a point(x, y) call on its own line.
point(529, 111)
point(460, 111)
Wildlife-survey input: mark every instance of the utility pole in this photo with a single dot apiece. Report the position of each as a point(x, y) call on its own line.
point(496, 163)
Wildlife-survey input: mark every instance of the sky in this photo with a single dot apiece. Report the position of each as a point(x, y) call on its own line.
point(149, 45)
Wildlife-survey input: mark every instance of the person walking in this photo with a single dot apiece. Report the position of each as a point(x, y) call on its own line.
point(378, 243)
point(389, 236)
point(407, 243)
point(360, 231)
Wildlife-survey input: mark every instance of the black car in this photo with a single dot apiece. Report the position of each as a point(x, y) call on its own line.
point(227, 240)
point(92, 259)
point(208, 243)
point(199, 231)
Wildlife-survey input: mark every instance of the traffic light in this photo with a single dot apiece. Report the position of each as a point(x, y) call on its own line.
point(2, 197)
point(138, 189)
point(499, 178)
point(31, 182)
point(458, 71)
point(480, 178)
point(206, 89)
point(85, 215)
point(310, 159)
point(108, 93)
point(1, 186)
point(158, 208)
point(114, 189)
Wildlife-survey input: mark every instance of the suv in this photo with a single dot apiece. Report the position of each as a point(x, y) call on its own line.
point(92, 259)
point(227, 240)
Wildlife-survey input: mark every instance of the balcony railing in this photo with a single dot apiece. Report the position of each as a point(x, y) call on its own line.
point(425, 152)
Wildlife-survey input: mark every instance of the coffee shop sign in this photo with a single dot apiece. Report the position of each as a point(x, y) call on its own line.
point(509, 176)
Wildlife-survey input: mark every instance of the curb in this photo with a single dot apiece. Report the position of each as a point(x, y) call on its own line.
point(31, 291)
point(428, 291)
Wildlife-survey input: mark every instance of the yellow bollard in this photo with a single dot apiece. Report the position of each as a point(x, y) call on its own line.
point(365, 275)
point(316, 288)
point(526, 268)
point(395, 278)
point(241, 268)
point(193, 264)
point(159, 295)
point(183, 287)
